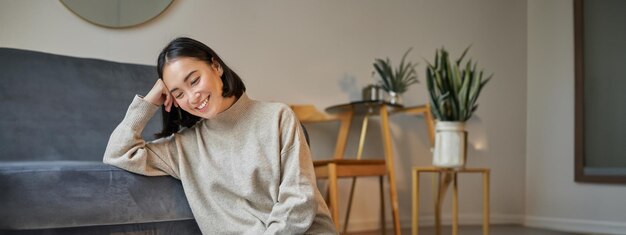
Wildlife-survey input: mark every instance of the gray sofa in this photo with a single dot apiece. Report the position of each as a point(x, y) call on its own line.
point(57, 115)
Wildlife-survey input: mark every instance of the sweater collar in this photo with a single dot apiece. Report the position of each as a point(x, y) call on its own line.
point(235, 111)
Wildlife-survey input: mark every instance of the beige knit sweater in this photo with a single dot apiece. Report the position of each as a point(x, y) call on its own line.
point(246, 171)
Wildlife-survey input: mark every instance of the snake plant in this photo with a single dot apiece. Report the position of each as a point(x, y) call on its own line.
point(453, 87)
point(397, 80)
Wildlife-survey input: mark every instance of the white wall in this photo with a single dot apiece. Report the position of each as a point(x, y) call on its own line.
point(553, 199)
point(321, 52)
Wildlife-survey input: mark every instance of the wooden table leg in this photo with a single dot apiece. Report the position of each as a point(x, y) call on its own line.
point(438, 203)
point(455, 205)
point(349, 209)
point(389, 160)
point(383, 221)
point(416, 202)
point(359, 154)
point(332, 192)
point(486, 202)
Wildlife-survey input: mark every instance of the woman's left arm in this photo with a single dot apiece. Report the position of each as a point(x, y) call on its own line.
point(300, 205)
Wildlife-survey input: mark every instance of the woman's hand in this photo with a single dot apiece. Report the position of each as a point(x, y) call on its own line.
point(159, 95)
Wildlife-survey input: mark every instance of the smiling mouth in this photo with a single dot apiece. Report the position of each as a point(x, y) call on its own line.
point(203, 104)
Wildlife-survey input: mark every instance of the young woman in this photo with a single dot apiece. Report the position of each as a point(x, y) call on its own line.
point(244, 165)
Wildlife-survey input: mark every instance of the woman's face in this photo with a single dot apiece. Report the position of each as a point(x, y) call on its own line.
point(196, 86)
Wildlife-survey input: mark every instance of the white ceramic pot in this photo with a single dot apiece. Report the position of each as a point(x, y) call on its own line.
point(450, 145)
point(394, 98)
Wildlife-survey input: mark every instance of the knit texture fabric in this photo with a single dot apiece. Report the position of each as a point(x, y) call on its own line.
point(246, 171)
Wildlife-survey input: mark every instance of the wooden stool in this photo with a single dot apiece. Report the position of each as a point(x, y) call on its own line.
point(455, 203)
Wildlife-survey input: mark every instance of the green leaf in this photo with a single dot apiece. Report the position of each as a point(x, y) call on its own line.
point(453, 88)
point(463, 100)
point(399, 78)
point(456, 78)
point(463, 55)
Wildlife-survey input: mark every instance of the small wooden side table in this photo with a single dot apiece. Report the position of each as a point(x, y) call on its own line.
point(455, 202)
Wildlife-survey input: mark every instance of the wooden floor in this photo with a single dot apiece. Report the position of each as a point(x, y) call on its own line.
point(476, 230)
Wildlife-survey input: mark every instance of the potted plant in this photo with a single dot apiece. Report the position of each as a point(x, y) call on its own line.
point(395, 82)
point(454, 89)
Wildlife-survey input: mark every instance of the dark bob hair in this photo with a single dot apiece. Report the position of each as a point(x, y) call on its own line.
point(183, 47)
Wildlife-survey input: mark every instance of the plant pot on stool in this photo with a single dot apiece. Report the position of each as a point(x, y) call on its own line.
point(453, 90)
point(450, 145)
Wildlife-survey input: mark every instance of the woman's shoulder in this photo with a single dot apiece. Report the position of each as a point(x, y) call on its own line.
point(270, 106)
point(276, 109)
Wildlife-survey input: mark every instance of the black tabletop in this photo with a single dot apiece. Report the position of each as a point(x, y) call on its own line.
point(361, 107)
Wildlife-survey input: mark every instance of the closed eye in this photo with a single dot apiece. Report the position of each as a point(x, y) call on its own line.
point(195, 81)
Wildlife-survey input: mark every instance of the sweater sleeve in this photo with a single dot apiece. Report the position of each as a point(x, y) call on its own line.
point(127, 150)
point(300, 208)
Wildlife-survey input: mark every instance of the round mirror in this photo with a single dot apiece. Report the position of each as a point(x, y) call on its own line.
point(117, 13)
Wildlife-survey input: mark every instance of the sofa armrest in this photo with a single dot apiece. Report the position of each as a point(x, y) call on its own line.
point(56, 194)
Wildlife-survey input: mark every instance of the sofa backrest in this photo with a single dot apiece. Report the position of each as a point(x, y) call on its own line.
point(64, 108)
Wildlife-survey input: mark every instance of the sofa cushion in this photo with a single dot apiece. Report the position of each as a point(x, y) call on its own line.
point(56, 194)
point(65, 108)
point(179, 227)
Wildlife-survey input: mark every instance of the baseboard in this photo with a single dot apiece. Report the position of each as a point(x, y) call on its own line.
point(464, 219)
point(574, 225)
